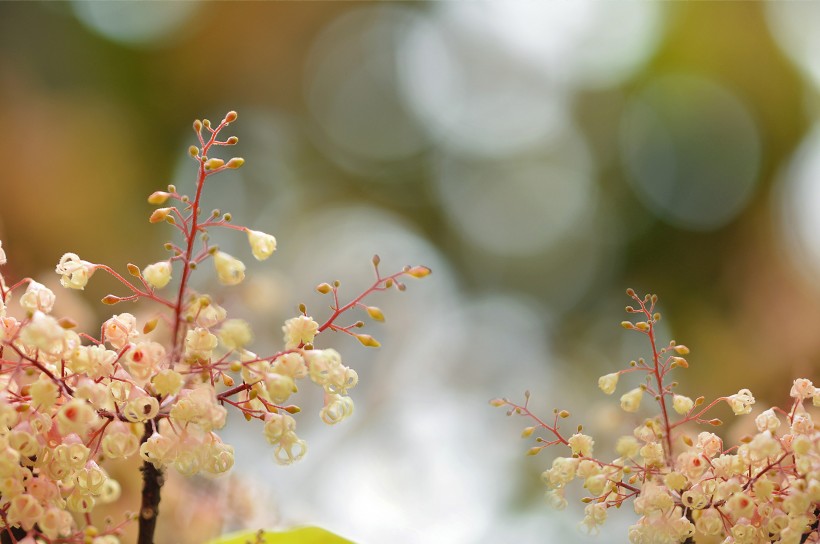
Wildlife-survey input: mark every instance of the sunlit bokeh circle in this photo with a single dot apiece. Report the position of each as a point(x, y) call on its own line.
point(473, 91)
point(583, 43)
point(521, 205)
point(351, 86)
point(799, 206)
point(691, 151)
point(794, 27)
point(136, 23)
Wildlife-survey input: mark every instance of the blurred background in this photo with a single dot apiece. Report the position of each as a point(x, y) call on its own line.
point(541, 157)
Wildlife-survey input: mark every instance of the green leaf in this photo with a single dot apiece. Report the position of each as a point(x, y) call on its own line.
point(302, 535)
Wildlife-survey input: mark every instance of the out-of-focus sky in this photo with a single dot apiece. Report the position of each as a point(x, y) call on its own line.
point(540, 156)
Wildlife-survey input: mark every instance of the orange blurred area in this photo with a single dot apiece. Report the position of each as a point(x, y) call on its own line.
point(541, 157)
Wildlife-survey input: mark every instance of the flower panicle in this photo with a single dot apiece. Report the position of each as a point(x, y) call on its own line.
point(764, 489)
point(157, 386)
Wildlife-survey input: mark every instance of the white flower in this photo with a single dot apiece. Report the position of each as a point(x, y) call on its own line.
point(229, 270)
point(299, 330)
point(581, 444)
point(2, 254)
point(200, 343)
point(336, 409)
point(37, 297)
point(235, 334)
point(631, 401)
point(595, 515)
point(767, 421)
point(158, 274)
point(74, 270)
point(710, 444)
point(43, 332)
point(741, 402)
point(262, 245)
point(802, 389)
point(120, 329)
point(682, 404)
point(608, 382)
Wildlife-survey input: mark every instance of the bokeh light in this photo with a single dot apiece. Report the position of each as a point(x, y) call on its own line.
point(136, 23)
point(692, 151)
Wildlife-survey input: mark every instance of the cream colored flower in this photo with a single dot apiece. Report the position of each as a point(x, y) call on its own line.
point(741, 402)
point(682, 404)
point(299, 330)
point(229, 270)
point(581, 444)
point(75, 271)
point(608, 382)
point(262, 245)
point(631, 401)
point(158, 274)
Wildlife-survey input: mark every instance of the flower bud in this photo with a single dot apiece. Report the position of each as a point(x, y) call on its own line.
point(159, 215)
point(230, 117)
point(213, 164)
point(367, 340)
point(375, 313)
point(235, 163)
point(418, 271)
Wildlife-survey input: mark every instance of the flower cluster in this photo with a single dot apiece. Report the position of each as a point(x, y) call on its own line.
point(157, 388)
point(688, 488)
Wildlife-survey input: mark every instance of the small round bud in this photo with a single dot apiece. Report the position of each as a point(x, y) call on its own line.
point(235, 163)
point(233, 140)
point(230, 117)
point(193, 151)
point(376, 260)
point(419, 271)
point(324, 288)
point(213, 164)
point(526, 433)
point(497, 403)
point(134, 270)
point(160, 214)
point(158, 197)
point(110, 300)
point(563, 414)
point(197, 125)
point(206, 123)
point(375, 313)
point(367, 340)
point(630, 292)
point(150, 325)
